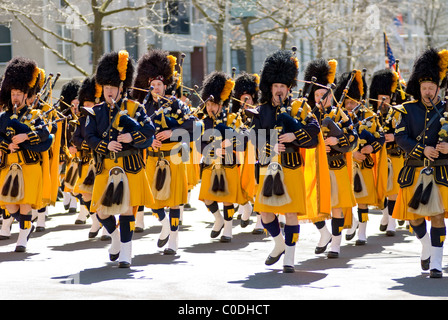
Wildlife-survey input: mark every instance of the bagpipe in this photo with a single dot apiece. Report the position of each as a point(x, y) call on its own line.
point(427, 200)
point(219, 185)
point(115, 198)
point(335, 122)
point(161, 121)
point(27, 122)
point(443, 133)
point(274, 191)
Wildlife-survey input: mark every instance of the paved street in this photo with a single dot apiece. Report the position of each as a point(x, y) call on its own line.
point(61, 263)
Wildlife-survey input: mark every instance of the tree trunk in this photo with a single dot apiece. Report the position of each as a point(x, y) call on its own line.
point(98, 39)
point(249, 46)
point(219, 49)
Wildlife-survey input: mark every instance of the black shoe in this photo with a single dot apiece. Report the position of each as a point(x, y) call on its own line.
point(425, 264)
point(114, 257)
point(169, 252)
point(20, 249)
point(401, 222)
point(271, 260)
point(138, 230)
point(390, 233)
point(288, 269)
point(244, 223)
point(320, 250)
point(40, 229)
point(162, 242)
point(105, 238)
point(332, 255)
point(124, 265)
point(4, 238)
point(383, 227)
point(78, 222)
point(93, 235)
point(258, 231)
point(435, 274)
point(360, 242)
point(349, 237)
point(188, 207)
point(214, 234)
point(225, 239)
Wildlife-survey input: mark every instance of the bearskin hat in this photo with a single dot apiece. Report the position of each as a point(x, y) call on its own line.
point(219, 85)
point(384, 82)
point(246, 83)
point(89, 91)
point(154, 65)
point(358, 88)
point(21, 74)
point(70, 92)
point(324, 71)
point(115, 68)
point(429, 66)
point(280, 67)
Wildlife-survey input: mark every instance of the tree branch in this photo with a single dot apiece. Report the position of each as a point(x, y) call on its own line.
point(55, 52)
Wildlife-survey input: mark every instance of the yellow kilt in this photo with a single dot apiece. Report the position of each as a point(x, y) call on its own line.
point(397, 164)
point(369, 179)
point(294, 181)
point(84, 172)
point(32, 178)
point(234, 184)
point(405, 194)
point(248, 182)
point(345, 195)
point(179, 183)
point(140, 193)
point(192, 167)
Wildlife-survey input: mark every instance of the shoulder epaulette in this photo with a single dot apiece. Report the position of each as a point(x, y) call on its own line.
point(402, 107)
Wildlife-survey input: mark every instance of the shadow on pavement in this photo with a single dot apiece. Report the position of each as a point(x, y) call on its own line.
point(276, 279)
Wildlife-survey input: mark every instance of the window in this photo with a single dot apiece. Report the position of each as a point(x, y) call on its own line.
point(176, 19)
point(131, 43)
point(5, 44)
point(65, 48)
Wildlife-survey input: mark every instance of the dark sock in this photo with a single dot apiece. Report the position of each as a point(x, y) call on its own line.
point(337, 224)
point(292, 235)
point(319, 225)
point(174, 219)
point(127, 227)
point(160, 213)
point(437, 236)
point(110, 223)
point(363, 214)
point(272, 227)
point(420, 230)
point(213, 207)
point(229, 211)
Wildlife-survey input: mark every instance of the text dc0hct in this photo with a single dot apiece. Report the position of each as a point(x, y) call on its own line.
point(225, 310)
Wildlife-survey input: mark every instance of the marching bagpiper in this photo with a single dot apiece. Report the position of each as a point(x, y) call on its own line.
point(282, 129)
point(221, 176)
point(89, 95)
point(340, 140)
point(118, 130)
point(245, 98)
point(21, 145)
point(165, 165)
point(386, 92)
point(370, 171)
point(68, 160)
point(423, 180)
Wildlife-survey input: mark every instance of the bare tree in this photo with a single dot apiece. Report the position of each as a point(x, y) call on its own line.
point(95, 16)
